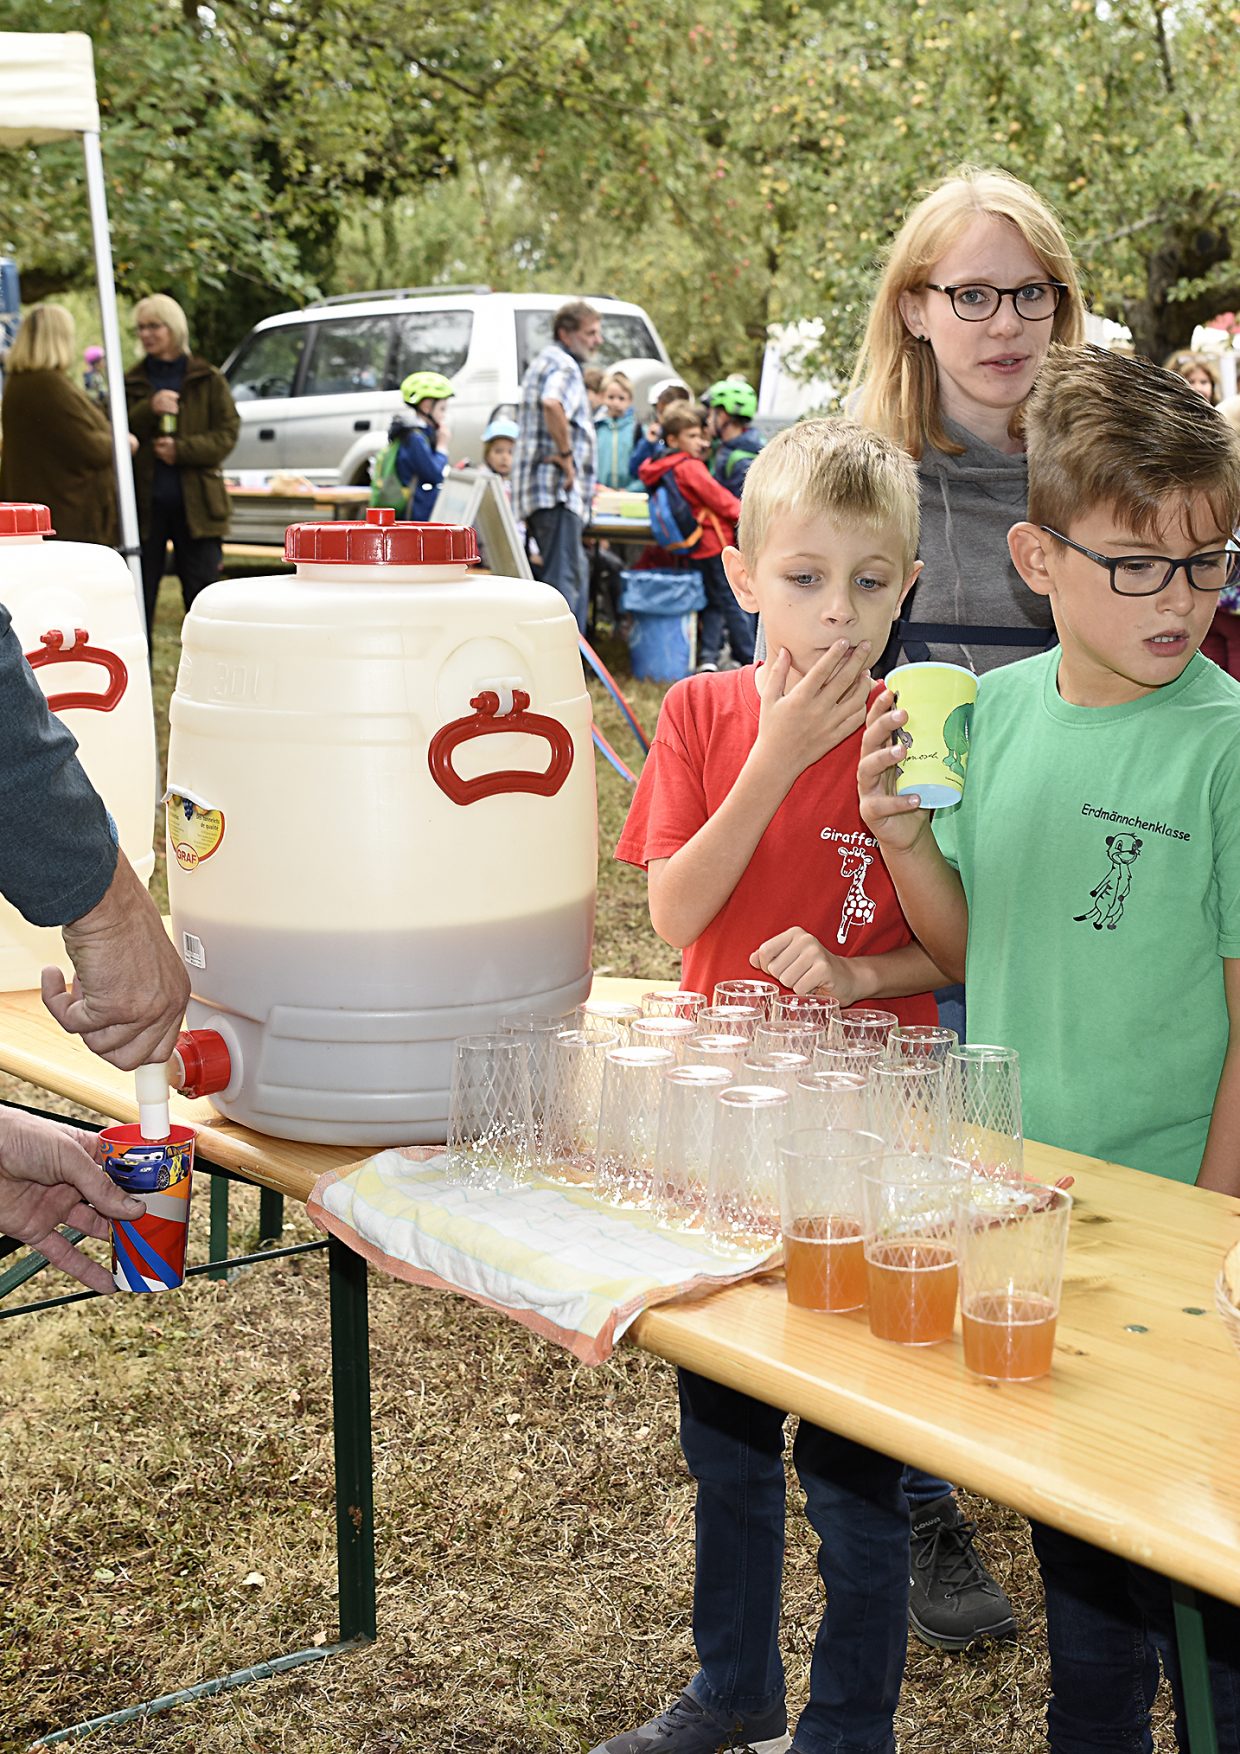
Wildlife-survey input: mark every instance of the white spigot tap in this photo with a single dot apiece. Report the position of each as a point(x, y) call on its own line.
point(152, 1084)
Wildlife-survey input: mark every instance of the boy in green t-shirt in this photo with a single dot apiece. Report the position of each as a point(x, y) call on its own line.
point(1088, 888)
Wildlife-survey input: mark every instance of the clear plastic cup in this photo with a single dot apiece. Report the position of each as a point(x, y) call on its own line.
point(906, 1106)
point(834, 1100)
point(746, 992)
point(629, 1123)
point(742, 1203)
point(786, 1037)
point(860, 1026)
point(717, 1050)
point(983, 1118)
point(921, 1041)
point(782, 1069)
point(674, 1033)
point(677, 1003)
point(537, 1030)
point(911, 1251)
point(682, 1144)
point(861, 1060)
point(813, 1012)
point(1012, 1241)
point(730, 1020)
point(600, 1017)
point(822, 1215)
point(490, 1111)
point(576, 1097)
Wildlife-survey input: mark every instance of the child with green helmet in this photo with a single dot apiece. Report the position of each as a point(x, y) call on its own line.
point(408, 473)
point(732, 404)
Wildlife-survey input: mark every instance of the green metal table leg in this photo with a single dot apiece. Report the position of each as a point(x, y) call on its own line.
point(217, 1246)
point(270, 1215)
point(355, 1511)
point(1190, 1641)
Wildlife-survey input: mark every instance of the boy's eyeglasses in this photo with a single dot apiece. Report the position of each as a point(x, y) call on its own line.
point(977, 302)
point(1144, 575)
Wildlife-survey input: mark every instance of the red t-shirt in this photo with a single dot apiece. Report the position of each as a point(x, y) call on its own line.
point(817, 866)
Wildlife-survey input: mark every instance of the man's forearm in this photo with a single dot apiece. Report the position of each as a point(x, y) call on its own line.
point(557, 426)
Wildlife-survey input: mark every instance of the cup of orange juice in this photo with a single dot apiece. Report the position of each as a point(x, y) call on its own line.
point(911, 1262)
point(822, 1215)
point(1011, 1241)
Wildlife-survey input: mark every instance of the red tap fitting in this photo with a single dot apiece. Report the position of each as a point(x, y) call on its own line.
point(206, 1064)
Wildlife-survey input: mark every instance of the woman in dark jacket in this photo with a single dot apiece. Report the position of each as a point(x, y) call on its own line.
point(57, 442)
point(182, 415)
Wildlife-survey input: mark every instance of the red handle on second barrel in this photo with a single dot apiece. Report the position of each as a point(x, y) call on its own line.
point(485, 721)
point(52, 650)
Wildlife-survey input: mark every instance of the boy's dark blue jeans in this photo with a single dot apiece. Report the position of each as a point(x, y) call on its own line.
point(722, 610)
point(1108, 1623)
point(855, 1502)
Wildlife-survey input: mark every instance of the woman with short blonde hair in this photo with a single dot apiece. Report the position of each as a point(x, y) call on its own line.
point(184, 422)
point(57, 443)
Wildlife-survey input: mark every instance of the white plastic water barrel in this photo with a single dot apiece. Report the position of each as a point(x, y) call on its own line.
point(381, 823)
point(75, 612)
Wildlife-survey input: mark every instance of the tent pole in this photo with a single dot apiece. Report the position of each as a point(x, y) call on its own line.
point(122, 455)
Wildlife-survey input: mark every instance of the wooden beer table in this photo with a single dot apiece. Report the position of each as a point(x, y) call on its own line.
point(1132, 1443)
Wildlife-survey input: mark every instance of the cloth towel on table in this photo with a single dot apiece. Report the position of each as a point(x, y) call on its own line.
point(557, 1259)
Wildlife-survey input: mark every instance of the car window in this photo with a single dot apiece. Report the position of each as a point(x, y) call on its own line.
point(266, 365)
point(431, 341)
point(349, 354)
point(625, 336)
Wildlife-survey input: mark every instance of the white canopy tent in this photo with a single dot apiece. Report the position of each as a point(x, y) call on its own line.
point(47, 92)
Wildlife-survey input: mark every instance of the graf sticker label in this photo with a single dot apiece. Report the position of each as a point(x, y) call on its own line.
point(194, 830)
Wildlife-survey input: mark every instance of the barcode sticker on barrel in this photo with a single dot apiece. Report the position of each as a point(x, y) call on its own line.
point(193, 951)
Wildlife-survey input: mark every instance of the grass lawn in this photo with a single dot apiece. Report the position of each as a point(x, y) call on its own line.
point(167, 1468)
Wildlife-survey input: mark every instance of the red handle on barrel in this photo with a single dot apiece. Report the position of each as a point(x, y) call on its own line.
point(52, 650)
point(484, 721)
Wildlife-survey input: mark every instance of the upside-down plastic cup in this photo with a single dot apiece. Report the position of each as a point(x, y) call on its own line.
point(746, 992)
point(938, 699)
point(676, 1002)
point(148, 1253)
point(742, 1198)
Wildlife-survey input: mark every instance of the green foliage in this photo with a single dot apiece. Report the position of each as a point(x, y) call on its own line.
point(726, 163)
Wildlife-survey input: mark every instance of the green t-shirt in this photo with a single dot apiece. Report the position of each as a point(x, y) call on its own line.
point(1099, 849)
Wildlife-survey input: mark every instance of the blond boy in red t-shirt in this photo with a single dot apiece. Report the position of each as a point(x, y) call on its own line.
point(747, 823)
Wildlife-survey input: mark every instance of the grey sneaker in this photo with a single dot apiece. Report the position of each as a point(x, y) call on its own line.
point(686, 1727)
point(953, 1600)
point(706, 667)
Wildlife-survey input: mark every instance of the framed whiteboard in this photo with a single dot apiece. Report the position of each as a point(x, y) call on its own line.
point(468, 496)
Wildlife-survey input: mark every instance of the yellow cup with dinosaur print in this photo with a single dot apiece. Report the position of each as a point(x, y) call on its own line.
point(938, 699)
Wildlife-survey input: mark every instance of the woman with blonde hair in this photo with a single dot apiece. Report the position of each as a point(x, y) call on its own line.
point(184, 422)
point(57, 441)
point(977, 283)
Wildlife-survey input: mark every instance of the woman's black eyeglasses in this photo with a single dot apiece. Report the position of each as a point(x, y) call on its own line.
point(977, 302)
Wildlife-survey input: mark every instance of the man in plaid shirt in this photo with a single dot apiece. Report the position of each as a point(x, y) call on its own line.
point(554, 461)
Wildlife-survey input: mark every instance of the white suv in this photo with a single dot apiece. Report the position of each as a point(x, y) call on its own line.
point(317, 388)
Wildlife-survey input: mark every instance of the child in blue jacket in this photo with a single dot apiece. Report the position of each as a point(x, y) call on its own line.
point(422, 433)
point(615, 428)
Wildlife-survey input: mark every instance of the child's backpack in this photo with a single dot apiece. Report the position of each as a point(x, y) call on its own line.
point(672, 523)
point(386, 486)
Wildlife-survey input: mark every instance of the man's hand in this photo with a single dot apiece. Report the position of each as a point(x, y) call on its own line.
point(568, 469)
point(49, 1175)
point(797, 726)
point(130, 988)
point(797, 960)
point(166, 402)
point(897, 824)
point(165, 448)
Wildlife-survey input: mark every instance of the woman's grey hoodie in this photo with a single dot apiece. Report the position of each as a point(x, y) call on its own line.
point(968, 505)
